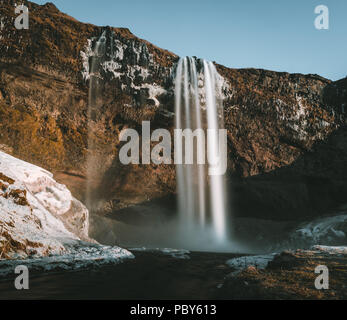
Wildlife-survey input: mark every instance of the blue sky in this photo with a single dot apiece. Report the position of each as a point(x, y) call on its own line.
point(271, 34)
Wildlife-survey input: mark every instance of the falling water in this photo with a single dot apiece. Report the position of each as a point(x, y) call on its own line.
point(94, 103)
point(199, 105)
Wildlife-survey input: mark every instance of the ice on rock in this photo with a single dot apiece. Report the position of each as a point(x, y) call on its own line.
point(328, 230)
point(41, 220)
point(331, 250)
point(117, 67)
point(174, 253)
point(77, 257)
point(47, 198)
point(241, 263)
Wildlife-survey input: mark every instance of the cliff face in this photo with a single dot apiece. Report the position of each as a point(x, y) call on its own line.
point(286, 132)
point(44, 85)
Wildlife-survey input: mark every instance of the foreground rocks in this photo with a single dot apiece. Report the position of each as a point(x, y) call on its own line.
point(155, 275)
point(41, 222)
point(36, 213)
point(290, 275)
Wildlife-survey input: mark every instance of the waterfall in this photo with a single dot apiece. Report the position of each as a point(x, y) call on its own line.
point(199, 107)
point(94, 103)
point(200, 182)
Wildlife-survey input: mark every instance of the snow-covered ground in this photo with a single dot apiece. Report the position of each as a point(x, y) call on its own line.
point(174, 253)
point(42, 223)
point(259, 262)
point(331, 231)
point(79, 255)
point(331, 250)
point(262, 261)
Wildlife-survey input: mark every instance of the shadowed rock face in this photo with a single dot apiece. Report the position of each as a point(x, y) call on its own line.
point(286, 132)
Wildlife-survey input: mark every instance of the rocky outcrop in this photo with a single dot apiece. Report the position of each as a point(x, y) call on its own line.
point(286, 132)
point(42, 225)
point(288, 275)
point(37, 215)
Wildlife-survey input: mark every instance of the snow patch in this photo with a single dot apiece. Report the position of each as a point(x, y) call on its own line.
point(154, 91)
point(296, 118)
point(85, 55)
point(48, 200)
point(331, 250)
point(113, 67)
point(328, 230)
point(79, 256)
point(41, 221)
point(259, 262)
point(118, 67)
point(175, 253)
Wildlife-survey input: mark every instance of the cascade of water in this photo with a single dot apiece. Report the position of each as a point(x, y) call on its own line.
point(93, 106)
point(199, 107)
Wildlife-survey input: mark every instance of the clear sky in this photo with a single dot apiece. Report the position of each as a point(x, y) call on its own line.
point(271, 34)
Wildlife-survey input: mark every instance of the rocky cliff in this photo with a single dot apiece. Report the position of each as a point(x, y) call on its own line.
point(286, 132)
